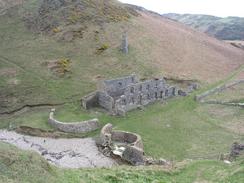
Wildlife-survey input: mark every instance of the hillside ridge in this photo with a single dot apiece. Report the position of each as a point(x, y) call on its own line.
point(228, 28)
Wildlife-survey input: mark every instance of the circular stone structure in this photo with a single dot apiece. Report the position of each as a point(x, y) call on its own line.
point(74, 127)
point(130, 144)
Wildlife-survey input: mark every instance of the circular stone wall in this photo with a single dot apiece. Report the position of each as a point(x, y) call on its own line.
point(75, 127)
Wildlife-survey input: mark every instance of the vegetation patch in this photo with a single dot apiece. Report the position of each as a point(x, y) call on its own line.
point(59, 67)
point(102, 48)
point(52, 14)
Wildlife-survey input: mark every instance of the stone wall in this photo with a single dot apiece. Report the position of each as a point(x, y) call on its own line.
point(105, 101)
point(127, 138)
point(224, 103)
point(116, 87)
point(133, 152)
point(144, 93)
point(77, 127)
point(217, 89)
point(90, 100)
point(124, 94)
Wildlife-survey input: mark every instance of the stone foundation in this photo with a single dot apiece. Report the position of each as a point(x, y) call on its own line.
point(76, 127)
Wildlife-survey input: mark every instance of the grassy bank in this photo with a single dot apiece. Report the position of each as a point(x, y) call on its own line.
point(24, 166)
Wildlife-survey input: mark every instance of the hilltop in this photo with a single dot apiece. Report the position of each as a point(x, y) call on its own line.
point(229, 28)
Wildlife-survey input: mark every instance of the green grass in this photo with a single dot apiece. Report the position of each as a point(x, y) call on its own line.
point(27, 53)
point(180, 128)
point(175, 130)
point(233, 94)
point(24, 166)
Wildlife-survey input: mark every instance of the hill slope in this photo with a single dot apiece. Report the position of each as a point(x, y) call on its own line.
point(57, 55)
point(7, 4)
point(229, 28)
point(38, 34)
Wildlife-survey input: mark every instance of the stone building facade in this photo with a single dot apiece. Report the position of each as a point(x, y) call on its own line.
point(124, 94)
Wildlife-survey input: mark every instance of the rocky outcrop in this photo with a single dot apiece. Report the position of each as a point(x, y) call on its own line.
point(75, 127)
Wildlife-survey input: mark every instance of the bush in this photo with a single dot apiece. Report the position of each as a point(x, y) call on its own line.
point(64, 65)
point(102, 48)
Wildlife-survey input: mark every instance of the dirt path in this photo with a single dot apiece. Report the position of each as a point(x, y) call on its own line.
point(66, 153)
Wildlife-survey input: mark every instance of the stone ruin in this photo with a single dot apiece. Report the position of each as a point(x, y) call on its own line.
point(121, 95)
point(73, 127)
point(126, 145)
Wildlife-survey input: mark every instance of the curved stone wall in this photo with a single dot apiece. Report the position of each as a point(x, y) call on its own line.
point(133, 153)
point(128, 138)
point(75, 127)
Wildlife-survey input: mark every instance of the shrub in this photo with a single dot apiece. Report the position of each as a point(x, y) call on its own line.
point(102, 48)
point(64, 65)
point(56, 30)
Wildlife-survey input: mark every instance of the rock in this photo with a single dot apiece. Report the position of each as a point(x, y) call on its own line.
point(133, 156)
point(149, 161)
point(236, 150)
point(182, 93)
point(162, 162)
point(141, 107)
point(119, 151)
point(227, 162)
point(44, 153)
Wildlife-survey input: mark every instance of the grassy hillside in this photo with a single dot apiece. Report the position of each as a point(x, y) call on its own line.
point(229, 28)
point(7, 4)
point(54, 63)
point(23, 166)
point(157, 47)
point(180, 128)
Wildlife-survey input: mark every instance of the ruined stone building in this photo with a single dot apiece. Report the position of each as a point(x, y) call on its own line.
point(127, 93)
